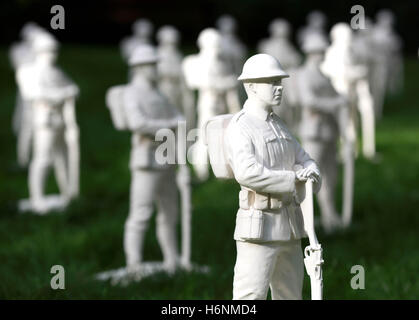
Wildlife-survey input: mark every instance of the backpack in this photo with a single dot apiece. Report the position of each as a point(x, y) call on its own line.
point(214, 139)
point(115, 103)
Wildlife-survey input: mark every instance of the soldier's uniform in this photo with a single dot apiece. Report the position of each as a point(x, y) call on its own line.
point(269, 224)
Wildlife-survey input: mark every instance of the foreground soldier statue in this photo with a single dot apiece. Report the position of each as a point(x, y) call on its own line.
point(51, 96)
point(271, 167)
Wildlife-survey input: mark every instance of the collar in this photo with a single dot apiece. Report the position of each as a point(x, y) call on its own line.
point(256, 111)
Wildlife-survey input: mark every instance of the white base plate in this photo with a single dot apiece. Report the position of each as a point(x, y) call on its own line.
point(124, 276)
point(49, 203)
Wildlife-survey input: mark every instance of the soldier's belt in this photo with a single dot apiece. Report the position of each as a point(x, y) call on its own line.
point(263, 201)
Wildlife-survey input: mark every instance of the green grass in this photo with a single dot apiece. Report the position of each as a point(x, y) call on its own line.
point(87, 238)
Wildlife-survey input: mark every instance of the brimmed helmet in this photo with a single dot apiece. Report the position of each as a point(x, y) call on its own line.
point(262, 66)
point(143, 54)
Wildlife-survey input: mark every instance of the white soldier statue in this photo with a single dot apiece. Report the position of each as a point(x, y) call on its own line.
point(233, 47)
point(171, 80)
point(51, 96)
point(280, 46)
point(349, 76)
point(271, 168)
point(142, 33)
point(322, 110)
point(142, 109)
point(21, 53)
point(210, 73)
point(316, 23)
point(171, 83)
point(235, 52)
point(387, 70)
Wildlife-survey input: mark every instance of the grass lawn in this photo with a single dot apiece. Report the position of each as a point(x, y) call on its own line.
point(87, 238)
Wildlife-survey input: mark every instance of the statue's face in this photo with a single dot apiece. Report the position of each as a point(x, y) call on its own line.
point(269, 91)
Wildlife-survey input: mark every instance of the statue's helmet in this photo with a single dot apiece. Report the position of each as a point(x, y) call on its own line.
point(143, 54)
point(316, 19)
point(209, 38)
point(143, 28)
point(279, 28)
point(262, 66)
point(341, 32)
point(226, 24)
point(168, 34)
point(314, 42)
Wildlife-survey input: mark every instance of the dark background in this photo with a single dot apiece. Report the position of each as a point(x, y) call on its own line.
point(96, 22)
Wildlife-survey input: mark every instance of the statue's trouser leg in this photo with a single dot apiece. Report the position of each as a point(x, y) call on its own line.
point(143, 192)
point(60, 167)
point(278, 265)
point(366, 109)
point(379, 85)
point(24, 135)
point(167, 215)
point(42, 160)
point(324, 153)
point(17, 114)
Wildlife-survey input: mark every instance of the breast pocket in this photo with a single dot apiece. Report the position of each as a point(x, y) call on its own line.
point(288, 149)
point(272, 154)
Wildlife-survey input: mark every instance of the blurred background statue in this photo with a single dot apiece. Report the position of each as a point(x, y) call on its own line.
point(213, 76)
point(141, 108)
point(235, 52)
point(51, 96)
point(316, 23)
point(171, 80)
point(387, 70)
point(321, 107)
point(20, 54)
point(279, 45)
point(142, 33)
point(339, 66)
point(349, 76)
point(171, 83)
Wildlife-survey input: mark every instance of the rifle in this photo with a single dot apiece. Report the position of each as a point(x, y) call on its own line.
point(313, 253)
